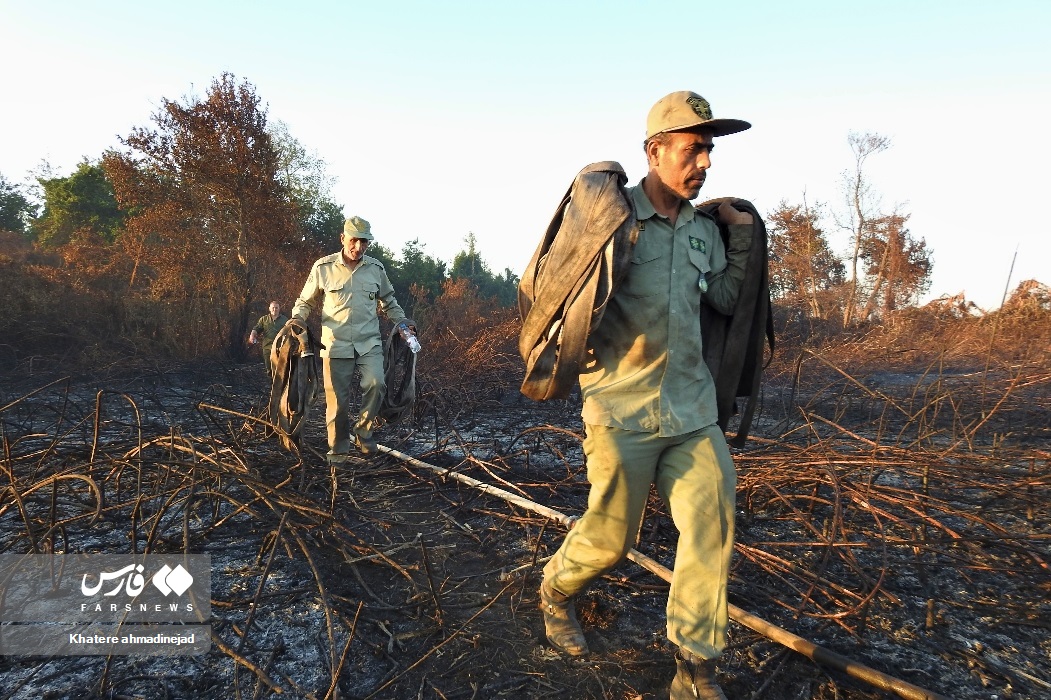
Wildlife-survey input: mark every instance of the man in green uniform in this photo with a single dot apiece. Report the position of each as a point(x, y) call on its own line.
point(350, 287)
point(649, 402)
point(266, 329)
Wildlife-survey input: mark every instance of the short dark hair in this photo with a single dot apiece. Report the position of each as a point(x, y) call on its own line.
point(661, 139)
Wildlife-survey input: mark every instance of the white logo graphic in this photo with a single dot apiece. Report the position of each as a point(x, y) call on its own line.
point(133, 584)
point(169, 580)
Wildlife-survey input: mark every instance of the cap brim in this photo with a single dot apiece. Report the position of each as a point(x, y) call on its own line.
point(718, 127)
point(724, 127)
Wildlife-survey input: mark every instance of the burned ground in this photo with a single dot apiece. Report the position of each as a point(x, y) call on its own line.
point(882, 515)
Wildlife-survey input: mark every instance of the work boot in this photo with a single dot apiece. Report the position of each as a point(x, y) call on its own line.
point(694, 678)
point(366, 445)
point(560, 622)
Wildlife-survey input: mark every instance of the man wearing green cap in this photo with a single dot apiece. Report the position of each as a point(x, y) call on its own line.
point(351, 288)
point(649, 402)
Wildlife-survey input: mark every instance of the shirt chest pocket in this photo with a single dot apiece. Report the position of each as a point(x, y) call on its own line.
point(646, 276)
point(338, 296)
point(367, 291)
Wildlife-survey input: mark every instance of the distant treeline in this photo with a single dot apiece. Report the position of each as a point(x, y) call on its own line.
point(186, 231)
point(176, 240)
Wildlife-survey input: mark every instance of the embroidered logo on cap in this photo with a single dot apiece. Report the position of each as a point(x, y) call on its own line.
point(700, 106)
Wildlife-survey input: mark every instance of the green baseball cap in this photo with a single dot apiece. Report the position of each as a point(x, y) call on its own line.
point(356, 227)
point(687, 110)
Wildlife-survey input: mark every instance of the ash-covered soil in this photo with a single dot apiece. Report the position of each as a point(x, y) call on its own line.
point(919, 556)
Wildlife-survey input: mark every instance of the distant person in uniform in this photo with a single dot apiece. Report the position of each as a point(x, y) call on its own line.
point(649, 405)
point(350, 288)
point(266, 329)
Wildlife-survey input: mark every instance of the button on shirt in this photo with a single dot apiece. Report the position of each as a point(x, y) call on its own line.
point(646, 371)
point(349, 299)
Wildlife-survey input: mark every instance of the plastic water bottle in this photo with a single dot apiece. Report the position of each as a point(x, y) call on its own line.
point(410, 338)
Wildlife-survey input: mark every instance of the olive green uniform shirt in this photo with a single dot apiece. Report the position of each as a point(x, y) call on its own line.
point(350, 300)
point(646, 371)
point(267, 329)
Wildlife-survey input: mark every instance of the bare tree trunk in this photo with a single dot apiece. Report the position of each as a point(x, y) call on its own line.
point(859, 229)
point(815, 306)
point(861, 204)
point(239, 326)
point(893, 257)
point(140, 249)
point(881, 277)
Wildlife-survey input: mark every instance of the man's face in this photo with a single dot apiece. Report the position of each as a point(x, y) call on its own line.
point(681, 163)
point(275, 309)
point(353, 248)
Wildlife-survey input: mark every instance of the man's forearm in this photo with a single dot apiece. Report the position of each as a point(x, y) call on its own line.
point(725, 285)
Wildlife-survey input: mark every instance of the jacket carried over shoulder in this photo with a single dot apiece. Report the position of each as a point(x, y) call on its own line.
point(584, 254)
point(578, 266)
point(734, 344)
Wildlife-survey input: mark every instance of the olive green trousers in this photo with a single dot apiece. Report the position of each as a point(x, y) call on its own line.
point(695, 476)
point(267, 361)
point(339, 373)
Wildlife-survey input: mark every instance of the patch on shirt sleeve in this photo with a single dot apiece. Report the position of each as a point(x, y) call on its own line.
point(698, 244)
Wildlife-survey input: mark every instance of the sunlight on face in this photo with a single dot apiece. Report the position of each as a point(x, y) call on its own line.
point(354, 248)
point(682, 162)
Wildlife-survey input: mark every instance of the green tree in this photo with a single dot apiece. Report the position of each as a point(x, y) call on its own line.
point(421, 276)
point(321, 222)
point(505, 288)
point(82, 202)
point(309, 186)
point(468, 264)
point(16, 211)
point(385, 256)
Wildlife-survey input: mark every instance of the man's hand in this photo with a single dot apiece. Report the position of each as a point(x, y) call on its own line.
point(730, 216)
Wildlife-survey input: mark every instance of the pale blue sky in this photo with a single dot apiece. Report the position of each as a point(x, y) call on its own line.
point(443, 118)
